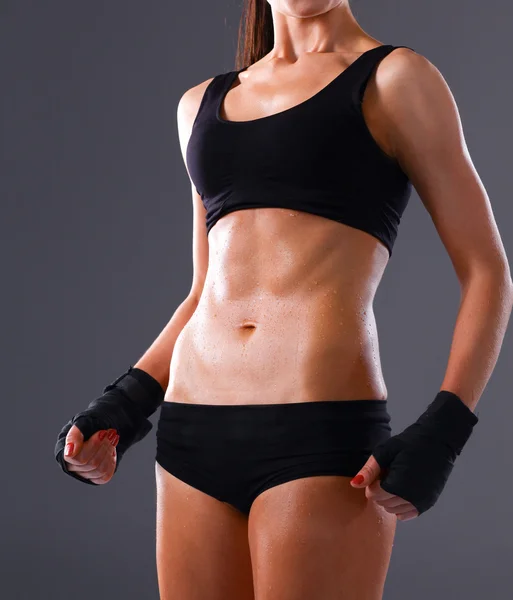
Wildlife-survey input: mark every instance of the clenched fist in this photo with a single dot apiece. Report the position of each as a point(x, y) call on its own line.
point(95, 459)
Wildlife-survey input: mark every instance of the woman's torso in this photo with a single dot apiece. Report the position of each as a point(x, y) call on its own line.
point(286, 312)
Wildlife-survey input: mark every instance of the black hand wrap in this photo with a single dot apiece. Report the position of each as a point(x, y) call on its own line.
point(420, 459)
point(125, 405)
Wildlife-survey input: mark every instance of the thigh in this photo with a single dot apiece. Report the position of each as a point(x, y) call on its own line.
point(317, 537)
point(202, 544)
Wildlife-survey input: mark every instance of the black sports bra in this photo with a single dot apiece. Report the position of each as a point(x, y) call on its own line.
point(317, 156)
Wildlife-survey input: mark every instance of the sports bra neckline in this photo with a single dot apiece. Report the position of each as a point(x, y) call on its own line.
point(232, 75)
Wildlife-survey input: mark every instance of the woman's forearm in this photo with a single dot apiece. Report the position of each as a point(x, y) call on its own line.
point(157, 358)
point(482, 320)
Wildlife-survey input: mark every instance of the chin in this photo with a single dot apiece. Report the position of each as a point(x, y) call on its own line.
point(304, 8)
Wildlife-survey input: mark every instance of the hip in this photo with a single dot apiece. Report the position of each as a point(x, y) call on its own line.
point(236, 452)
point(352, 427)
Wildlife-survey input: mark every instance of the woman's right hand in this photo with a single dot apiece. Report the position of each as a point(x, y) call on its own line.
point(95, 459)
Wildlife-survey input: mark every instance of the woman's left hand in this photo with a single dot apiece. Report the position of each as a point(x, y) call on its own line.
point(373, 491)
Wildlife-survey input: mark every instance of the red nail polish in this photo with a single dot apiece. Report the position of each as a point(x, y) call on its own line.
point(358, 479)
point(101, 435)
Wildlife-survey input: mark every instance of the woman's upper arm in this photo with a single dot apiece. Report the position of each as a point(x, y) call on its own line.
point(426, 135)
point(187, 110)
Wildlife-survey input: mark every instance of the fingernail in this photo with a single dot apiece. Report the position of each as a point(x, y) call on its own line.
point(102, 434)
point(115, 440)
point(358, 479)
point(111, 435)
point(69, 449)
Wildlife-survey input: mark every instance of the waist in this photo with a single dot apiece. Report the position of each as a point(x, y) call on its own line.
point(283, 323)
point(285, 357)
point(350, 422)
point(306, 329)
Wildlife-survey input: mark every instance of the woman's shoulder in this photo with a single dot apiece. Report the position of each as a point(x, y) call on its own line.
point(190, 99)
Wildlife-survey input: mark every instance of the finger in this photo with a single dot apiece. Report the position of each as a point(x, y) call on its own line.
point(399, 509)
point(375, 492)
point(106, 448)
point(100, 468)
point(92, 453)
point(87, 449)
point(81, 456)
point(95, 466)
point(114, 438)
point(74, 442)
point(408, 515)
point(106, 468)
point(391, 502)
point(368, 473)
point(90, 448)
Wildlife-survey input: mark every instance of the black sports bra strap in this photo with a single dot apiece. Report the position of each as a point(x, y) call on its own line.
point(367, 67)
point(213, 91)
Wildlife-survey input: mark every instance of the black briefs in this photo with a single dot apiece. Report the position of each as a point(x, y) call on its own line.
point(235, 452)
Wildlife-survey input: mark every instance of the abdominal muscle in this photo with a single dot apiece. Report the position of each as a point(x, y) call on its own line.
point(285, 315)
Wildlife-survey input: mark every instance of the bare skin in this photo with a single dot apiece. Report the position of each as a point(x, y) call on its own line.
point(284, 313)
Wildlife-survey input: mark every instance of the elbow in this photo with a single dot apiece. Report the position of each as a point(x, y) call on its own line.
point(494, 267)
point(496, 275)
point(499, 277)
point(509, 286)
point(504, 280)
point(502, 273)
point(194, 296)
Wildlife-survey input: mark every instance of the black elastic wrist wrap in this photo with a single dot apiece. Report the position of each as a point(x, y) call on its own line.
point(419, 460)
point(125, 405)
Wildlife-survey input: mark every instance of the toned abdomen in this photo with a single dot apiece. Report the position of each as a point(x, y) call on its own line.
point(286, 319)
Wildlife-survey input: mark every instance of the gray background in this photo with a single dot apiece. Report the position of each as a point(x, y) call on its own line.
point(96, 229)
